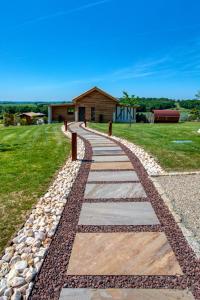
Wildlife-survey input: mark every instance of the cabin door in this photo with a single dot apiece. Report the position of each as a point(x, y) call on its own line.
point(81, 114)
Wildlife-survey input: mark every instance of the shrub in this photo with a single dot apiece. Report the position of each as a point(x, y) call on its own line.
point(23, 121)
point(45, 120)
point(8, 119)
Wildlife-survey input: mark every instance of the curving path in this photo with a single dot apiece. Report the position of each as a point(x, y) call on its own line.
point(116, 238)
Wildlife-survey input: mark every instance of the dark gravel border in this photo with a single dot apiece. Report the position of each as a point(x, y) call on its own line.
point(113, 182)
point(119, 228)
point(126, 281)
point(111, 170)
point(52, 276)
point(90, 200)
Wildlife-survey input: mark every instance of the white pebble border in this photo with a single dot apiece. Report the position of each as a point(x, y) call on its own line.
point(148, 161)
point(23, 259)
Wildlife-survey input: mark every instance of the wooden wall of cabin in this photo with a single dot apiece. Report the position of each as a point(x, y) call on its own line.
point(104, 106)
point(60, 113)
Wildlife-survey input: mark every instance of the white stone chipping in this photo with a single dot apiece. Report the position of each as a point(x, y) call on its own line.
point(22, 260)
point(149, 162)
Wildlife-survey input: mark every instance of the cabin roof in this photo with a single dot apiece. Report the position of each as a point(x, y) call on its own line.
point(32, 114)
point(93, 90)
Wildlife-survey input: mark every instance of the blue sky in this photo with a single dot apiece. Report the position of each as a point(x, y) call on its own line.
point(56, 49)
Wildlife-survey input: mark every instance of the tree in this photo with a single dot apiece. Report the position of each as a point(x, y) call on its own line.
point(195, 114)
point(129, 101)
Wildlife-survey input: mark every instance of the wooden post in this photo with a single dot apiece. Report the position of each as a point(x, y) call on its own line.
point(65, 123)
point(110, 128)
point(85, 123)
point(74, 146)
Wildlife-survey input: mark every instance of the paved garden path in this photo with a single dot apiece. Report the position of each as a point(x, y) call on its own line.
point(116, 239)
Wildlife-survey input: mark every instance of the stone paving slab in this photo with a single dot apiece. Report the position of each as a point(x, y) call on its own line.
point(107, 148)
point(112, 190)
point(125, 294)
point(112, 166)
point(102, 158)
point(93, 139)
point(122, 253)
point(89, 136)
point(120, 213)
point(98, 141)
point(113, 176)
point(108, 152)
point(104, 142)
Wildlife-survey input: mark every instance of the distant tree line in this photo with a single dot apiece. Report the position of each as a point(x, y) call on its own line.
point(148, 104)
point(20, 108)
point(190, 104)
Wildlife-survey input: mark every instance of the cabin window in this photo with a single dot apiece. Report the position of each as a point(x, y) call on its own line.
point(92, 113)
point(70, 110)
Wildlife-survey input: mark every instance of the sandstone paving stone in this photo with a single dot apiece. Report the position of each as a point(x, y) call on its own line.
point(124, 294)
point(108, 152)
point(113, 176)
point(105, 145)
point(103, 158)
point(122, 253)
point(107, 148)
point(97, 139)
point(112, 190)
point(118, 213)
point(112, 166)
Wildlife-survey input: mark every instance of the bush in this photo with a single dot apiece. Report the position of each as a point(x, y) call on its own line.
point(45, 120)
point(194, 115)
point(8, 119)
point(23, 121)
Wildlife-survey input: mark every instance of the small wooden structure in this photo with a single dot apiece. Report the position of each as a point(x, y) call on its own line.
point(29, 116)
point(166, 116)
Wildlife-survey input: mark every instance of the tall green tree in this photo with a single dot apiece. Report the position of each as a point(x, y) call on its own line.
point(129, 101)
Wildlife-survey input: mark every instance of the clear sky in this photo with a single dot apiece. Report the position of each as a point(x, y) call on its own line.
point(56, 49)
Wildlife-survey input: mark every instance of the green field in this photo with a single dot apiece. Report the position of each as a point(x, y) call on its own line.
point(157, 139)
point(29, 159)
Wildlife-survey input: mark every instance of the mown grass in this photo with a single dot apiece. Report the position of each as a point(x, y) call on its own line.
point(157, 139)
point(29, 159)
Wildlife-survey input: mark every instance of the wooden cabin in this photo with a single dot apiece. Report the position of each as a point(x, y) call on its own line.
point(94, 105)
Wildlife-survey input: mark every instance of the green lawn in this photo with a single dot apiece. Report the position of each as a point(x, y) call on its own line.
point(157, 140)
point(29, 159)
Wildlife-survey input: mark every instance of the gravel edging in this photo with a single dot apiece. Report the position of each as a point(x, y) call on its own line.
point(23, 259)
point(148, 161)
